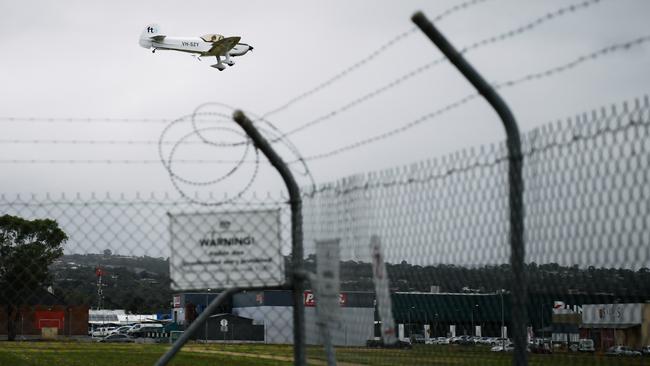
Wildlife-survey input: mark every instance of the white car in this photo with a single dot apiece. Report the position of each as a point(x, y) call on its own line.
point(622, 351)
point(507, 348)
point(120, 330)
point(442, 340)
point(102, 331)
point(586, 345)
point(137, 327)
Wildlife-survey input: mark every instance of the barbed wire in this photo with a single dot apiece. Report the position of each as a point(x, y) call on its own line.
point(93, 142)
point(83, 120)
point(117, 161)
point(529, 77)
point(576, 62)
point(374, 54)
point(223, 122)
point(167, 159)
point(164, 201)
point(531, 25)
point(414, 72)
point(575, 137)
point(507, 84)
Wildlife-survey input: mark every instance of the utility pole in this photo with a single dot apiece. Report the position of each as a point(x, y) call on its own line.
point(100, 292)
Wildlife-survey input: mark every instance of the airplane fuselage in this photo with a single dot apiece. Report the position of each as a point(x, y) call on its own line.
point(195, 45)
point(183, 44)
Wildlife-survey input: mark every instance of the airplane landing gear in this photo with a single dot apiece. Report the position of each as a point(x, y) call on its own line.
point(229, 61)
point(219, 66)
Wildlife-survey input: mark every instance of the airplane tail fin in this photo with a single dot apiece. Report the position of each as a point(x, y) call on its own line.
point(150, 31)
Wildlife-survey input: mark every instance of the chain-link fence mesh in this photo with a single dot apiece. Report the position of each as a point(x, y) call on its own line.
point(440, 228)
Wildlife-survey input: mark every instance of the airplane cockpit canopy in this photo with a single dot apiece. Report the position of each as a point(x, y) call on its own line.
point(212, 37)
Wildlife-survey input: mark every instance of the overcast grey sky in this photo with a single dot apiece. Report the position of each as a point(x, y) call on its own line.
point(82, 59)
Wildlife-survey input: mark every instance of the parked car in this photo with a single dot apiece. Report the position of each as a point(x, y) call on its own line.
point(143, 331)
point(645, 350)
point(485, 340)
point(586, 345)
point(621, 351)
point(120, 330)
point(136, 328)
point(442, 340)
point(507, 348)
point(117, 338)
point(417, 338)
point(102, 331)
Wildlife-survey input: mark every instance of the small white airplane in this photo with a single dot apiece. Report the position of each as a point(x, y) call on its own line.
point(204, 46)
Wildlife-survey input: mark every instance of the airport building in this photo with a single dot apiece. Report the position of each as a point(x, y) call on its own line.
point(271, 313)
point(274, 309)
point(433, 314)
point(47, 316)
point(616, 324)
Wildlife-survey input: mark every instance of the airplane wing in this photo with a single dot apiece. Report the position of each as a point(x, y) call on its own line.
point(220, 47)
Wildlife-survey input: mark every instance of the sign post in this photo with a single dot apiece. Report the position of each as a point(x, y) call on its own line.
point(328, 292)
point(384, 306)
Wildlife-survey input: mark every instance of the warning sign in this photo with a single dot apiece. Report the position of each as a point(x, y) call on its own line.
point(226, 249)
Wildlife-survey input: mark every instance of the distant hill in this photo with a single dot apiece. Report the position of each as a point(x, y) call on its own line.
point(142, 284)
point(137, 284)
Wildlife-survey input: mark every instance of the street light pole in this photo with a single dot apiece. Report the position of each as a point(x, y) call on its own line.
point(502, 317)
point(541, 313)
point(409, 319)
point(471, 330)
point(435, 330)
point(206, 319)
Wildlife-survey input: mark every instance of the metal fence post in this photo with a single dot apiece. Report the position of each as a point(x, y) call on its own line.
point(515, 180)
point(298, 275)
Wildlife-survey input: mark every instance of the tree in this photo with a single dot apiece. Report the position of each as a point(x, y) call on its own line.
point(27, 248)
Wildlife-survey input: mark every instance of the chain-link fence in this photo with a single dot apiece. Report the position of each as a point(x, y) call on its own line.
point(437, 230)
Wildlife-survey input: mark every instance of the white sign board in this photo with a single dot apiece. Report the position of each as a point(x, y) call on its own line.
point(226, 249)
point(384, 305)
point(328, 286)
point(612, 314)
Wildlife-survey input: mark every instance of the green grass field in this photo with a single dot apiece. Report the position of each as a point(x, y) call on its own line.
point(84, 354)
